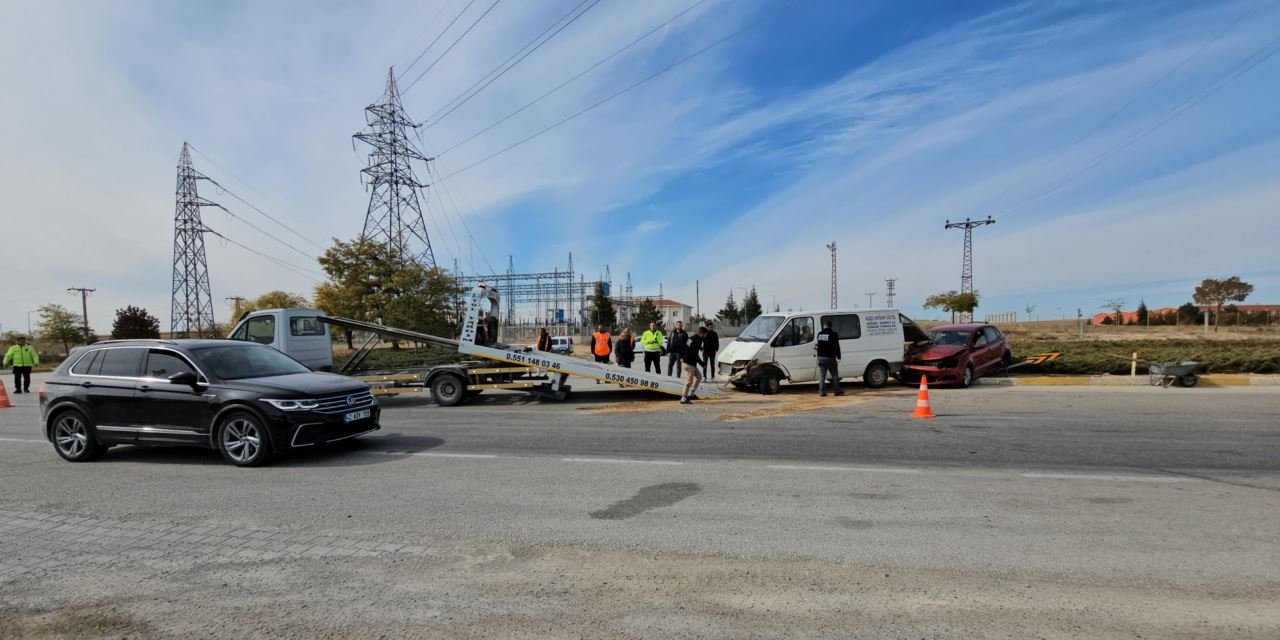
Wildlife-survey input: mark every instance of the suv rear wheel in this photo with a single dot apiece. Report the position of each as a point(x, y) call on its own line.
point(74, 438)
point(243, 440)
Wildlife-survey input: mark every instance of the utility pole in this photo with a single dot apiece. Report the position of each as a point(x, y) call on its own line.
point(191, 312)
point(394, 216)
point(1080, 321)
point(834, 299)
point(236, 302)
point(889, 284)
point(84, 306)
point(697, 297)
point(966, 269)
point(871, 299)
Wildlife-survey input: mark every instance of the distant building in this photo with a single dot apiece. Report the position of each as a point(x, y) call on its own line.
point(668, 310)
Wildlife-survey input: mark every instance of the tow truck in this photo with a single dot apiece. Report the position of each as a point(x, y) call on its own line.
point(301, 333)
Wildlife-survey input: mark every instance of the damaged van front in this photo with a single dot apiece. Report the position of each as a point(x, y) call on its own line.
point(741, 360)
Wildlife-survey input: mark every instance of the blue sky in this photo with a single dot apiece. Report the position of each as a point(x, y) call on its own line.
point(1116, 145)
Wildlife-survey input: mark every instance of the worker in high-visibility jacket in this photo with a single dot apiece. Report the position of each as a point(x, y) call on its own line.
point(22, 357)
point(601, 346)
point(651, 341)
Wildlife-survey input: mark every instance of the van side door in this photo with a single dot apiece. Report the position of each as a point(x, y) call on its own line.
point(849, 327)
point(793, 349)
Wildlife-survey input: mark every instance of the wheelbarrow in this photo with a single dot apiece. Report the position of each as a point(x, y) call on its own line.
point(1164, 374)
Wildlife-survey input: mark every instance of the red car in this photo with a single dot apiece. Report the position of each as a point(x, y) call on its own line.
point(958, 353)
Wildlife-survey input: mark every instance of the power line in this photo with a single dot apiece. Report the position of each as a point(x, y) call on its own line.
point(461, 218)
point(266, 215)
point(437, 116)
point(439, 35)
point(297, 217)
point(302, 271)
point(265, 232)
point(574, 78)
point(1240, 69)
point(1147, 89)
point(620, 92)
point(427, 27)
point(451, 46)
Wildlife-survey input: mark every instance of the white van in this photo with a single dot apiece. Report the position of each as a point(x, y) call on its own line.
point(296, 332)
point(780, 346)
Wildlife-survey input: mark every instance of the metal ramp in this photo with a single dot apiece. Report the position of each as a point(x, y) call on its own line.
point(565, 365)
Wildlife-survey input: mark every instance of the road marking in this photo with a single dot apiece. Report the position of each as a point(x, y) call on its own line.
point(622, 461)
point(796, 467)
point(1112, 478)
point(22, 440)
point(433, 454)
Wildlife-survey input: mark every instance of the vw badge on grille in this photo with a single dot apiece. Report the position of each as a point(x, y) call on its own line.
point(351, 401)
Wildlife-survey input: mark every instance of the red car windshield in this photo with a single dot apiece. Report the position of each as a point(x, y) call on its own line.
point(951, 338)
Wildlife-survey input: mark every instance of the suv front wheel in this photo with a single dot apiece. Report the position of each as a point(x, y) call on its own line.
point(243, 440)
point(74, 438)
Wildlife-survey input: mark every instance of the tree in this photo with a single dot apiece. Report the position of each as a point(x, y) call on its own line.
point(368, 282)
point(646, 312)
point(953, 301)
point(1030, 309)
point(59, 325)
point(1188, 314)
point(751, 308)
point(730, 312)
point(602, 311)
point(134, 322)
point(277, 300)
point(1116, 305)
point(1144, 314)
point(1218, 292)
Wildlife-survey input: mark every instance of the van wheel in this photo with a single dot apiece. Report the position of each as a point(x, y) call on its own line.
point(74, 438)
point(770, 383)
point(876, 376)
point(448, 390)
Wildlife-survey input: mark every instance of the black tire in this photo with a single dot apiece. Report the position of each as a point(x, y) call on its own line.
point(448, 390)
point(74, 437)
point(966, 378)
point(876, 376)
point(770, 383)
point(242, 439)
point(1189, 380)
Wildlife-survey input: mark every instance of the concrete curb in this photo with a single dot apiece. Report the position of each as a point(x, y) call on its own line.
point(1210, 380)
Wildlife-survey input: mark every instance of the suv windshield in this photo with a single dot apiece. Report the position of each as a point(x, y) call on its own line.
point(953, 338)
point(246, 361)
point(761, 329)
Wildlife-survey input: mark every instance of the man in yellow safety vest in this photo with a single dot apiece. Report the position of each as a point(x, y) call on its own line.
point(651, 340)
point(22, 357)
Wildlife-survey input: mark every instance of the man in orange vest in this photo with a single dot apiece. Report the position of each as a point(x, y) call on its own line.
point(601, 346)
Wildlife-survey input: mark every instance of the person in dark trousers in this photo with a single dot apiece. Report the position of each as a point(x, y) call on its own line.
point(692, 360)
point(828, 348)
point(22, 357)
point(601, 346)
point(710, 345)
point(677, 344)
point(624, 351)
point(651, 342)
point(544, 341)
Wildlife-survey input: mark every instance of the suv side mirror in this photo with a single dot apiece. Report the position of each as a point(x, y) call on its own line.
point(185, 378)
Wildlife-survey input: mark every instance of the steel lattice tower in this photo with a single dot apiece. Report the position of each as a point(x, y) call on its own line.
point(192, 311)
point(394, 217)
point(966, 270)
point(889, 285)
point(834, 298)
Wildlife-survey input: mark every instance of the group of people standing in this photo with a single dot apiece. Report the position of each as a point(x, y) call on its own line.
point(693, 355)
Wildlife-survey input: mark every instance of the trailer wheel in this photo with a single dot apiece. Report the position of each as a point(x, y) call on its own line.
point(448, 390)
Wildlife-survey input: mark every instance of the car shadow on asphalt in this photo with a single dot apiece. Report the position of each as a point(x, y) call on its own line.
point(349, 453)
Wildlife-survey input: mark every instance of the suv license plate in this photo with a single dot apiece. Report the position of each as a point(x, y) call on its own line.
point(357, 415)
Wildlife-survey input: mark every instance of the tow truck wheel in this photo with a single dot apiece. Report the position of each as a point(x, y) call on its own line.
point(448, 390)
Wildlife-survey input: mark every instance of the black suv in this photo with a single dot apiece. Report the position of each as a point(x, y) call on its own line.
point(246, 400)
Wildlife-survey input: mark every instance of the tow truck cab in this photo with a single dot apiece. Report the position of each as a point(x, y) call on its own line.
point(298, 333)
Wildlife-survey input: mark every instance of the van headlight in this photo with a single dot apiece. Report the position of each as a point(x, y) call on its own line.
point(294, 405)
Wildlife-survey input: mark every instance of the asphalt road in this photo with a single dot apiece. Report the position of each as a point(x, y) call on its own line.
point(1019, 512)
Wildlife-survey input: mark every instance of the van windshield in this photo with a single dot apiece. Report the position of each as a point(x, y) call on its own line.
point(760, 329)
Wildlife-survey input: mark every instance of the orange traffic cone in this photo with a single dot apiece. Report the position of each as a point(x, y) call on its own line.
point(923, 410)
point(4, 397)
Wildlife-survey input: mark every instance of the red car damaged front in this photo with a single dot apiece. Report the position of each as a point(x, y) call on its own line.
point(939, 362)
point(959, 353)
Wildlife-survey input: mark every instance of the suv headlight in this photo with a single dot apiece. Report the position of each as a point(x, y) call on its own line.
point(294, 405)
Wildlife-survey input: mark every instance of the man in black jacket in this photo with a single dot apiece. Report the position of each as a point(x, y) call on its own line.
point(710, 345)
point(692, 360)
point(677, 344)
point(828, 348)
